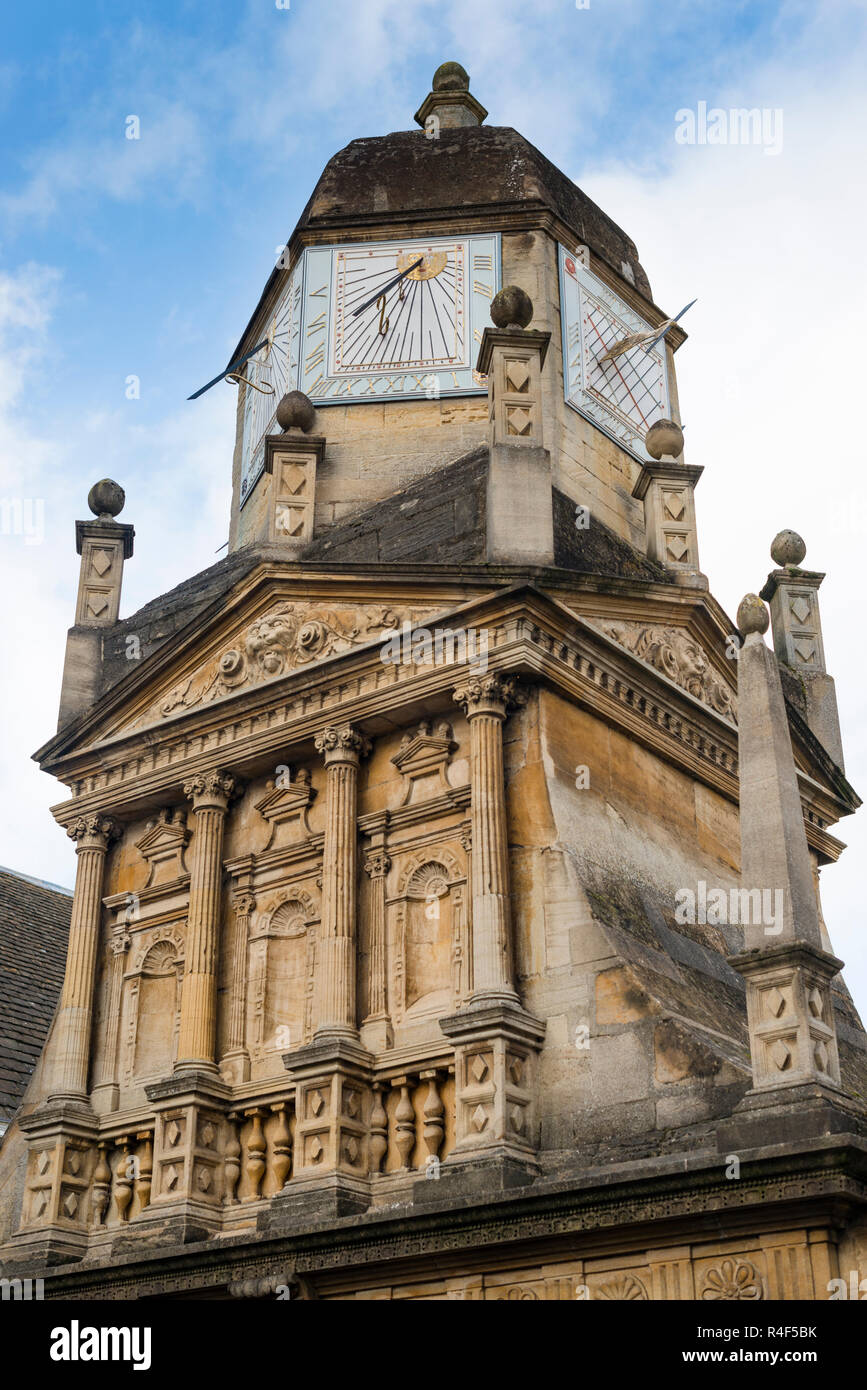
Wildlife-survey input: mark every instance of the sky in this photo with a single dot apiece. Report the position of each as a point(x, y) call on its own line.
point(144, 258)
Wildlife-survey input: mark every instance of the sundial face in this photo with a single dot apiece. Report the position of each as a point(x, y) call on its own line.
point(269, 375)
point(627, 393)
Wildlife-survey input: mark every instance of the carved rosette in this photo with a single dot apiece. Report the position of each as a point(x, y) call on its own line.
point(491, 694)
point(342, 744)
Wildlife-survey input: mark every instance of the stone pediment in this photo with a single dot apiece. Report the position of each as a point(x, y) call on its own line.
point(290, 636)
point(677, 654)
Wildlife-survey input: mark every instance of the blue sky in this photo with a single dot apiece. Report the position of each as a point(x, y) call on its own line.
point(146, 257)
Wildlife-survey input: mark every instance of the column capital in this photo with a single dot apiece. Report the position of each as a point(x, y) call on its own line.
point(244, 904)
point(342, 744)
point(377, 864)
point(94, 831)
point(491, 694)
point(214, 788)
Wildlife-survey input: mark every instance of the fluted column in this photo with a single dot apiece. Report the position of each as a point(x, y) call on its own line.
point(334, 998)
point(210, 794)
point(235, 1064)
point(92, 835)
point(486, 701)
point(376, 867)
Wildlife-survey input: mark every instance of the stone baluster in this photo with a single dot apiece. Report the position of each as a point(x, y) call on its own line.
point(123, 1178)
point(404, 1121)
point(281, 1162)
point(255, 1153)
point(486, 701)
point(334, 997)
point(210, 794)
point(232, 1159)
point(235, 1064)
point(92, 835)
point(378, 1130)
point(144, 1169)
point(101, 1187)
point(434, 1131)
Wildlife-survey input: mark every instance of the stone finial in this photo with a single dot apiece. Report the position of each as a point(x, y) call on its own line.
point(664, 439)
point(511, 308)
point(752, 615)
point(106, 499)
point(787, 549)
point(450, 102)
point(295, 411)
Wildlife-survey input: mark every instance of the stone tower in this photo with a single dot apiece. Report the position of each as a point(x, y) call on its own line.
point(439, 892)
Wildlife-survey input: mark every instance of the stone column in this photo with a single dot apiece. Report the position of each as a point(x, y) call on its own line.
point(92, 835)
point(486, 701)
point(235, 1064)
point(334, 998)
point(210, 794)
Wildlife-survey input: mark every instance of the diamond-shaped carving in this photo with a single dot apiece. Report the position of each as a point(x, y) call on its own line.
point(290, 520)
point(173, 1133)
point(677, 548)
point(317, 1102)
point(208, 1134)
point(316, 1150)
point(70, 1204)
point(776, 1001)
point(43, 1162)
point(97, 604)
point(351, 1148)
point(801, 608)
point(73, 1161)
point(293, 478)
point(171, 1175)
point(781, 1055)
point(40, 1202)
point(805, 648)
point(815, 1003)
point(820, 1054)
point(517, 1117)
point(518, 420)
point(478, 1068)
point(479, 1118)
point(204, 1178)
point(517, 375)
point(674, 505)
point(516, 1069)
point(351, 1103)
point(101, 562)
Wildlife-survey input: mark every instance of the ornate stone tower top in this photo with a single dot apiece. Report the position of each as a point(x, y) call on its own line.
point(449, 103)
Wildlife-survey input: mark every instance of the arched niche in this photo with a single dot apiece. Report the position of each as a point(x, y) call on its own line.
point(282, 946)
point(152, 1009)
point(430, 937)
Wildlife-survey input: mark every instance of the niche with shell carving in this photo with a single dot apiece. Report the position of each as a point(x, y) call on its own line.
point(430, 932)
point(281, 966)
point(152, 1008)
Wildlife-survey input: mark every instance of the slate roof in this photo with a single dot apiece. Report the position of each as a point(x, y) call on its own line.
point(34, 926)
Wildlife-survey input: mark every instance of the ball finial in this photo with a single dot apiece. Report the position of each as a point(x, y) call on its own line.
point(106, 499)
point(664, 438)
point(787, 548)
point(450, 77)
point(296, 411)
point(752, 615)
point(511, 308)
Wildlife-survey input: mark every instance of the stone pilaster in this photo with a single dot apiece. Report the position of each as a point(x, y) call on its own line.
point(235, 1062)
point(375, 1029)
point(210, 794)
point(291, 460)
point(667, 490)
point(106, 1090)
point(486, 701)
point(71, 1038)
point(334, 997)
